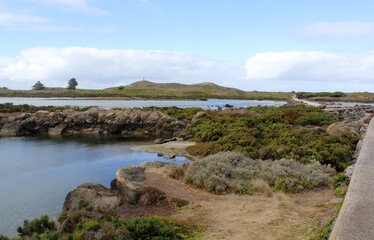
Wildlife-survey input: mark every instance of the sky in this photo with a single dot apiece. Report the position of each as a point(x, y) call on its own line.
point(267, 45)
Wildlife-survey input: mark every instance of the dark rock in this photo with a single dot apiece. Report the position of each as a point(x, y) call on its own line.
point(98, 195)
point(57, 130)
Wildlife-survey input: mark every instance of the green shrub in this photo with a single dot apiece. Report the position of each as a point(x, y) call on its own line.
point(88, 225)
point(37, 226)
point(340, 184)
point(83, 203)
point(275, 133)
point(141, 228)
point(178, 202)
point(233, 172)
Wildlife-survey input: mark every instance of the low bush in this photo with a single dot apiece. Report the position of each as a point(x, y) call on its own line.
point(178, 202)
point(37, 226)
point(88, 225)
point(340, 184)
point(276, 133)
point(233, 172)
point(152, 228)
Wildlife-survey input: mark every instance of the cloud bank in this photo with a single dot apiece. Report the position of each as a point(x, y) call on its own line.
point(313, 71)
point(270, 71)
point(99, 68)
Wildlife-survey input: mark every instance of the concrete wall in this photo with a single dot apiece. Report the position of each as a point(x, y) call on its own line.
point(356, 218)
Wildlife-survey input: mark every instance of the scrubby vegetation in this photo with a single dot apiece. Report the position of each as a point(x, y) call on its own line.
point(10, 108)
point(340, 184)
point(178, 113)
point(86, 223)
point(320, 94)
point(288, 132)
point(233, 172)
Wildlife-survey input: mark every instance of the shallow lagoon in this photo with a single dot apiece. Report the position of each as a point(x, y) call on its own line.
point(36, 173)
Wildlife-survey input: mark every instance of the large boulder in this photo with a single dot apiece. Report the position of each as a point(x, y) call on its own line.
point(11, 128)
point(129, 182)
point(58, 129)
point(99, 197)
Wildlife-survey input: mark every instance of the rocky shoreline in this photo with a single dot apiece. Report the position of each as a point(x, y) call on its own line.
point(127, 122)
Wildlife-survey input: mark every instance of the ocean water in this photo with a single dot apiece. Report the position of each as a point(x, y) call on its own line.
point(36, 173)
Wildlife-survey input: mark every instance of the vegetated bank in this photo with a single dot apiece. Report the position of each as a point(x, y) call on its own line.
point(309, 138)
point(150, 90)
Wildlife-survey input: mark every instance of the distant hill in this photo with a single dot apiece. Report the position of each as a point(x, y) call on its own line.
point(150, 90)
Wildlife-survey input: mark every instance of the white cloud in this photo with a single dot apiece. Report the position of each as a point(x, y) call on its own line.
point(337, 30)
point(271, 71)
point(80, 5)
point(9, 19)
point(312, 71)
point(97, 68)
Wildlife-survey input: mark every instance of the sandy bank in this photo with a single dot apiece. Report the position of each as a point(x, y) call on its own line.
point(176, 148)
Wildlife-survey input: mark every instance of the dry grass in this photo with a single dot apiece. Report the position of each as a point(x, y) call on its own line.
point(281, 216)
point(151, 195)
point(262, 187)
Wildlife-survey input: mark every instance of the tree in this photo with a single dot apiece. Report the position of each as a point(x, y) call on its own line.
point(38, 86)
point(72, 84)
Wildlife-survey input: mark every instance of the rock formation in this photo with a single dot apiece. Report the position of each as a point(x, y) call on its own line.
point(128, 122)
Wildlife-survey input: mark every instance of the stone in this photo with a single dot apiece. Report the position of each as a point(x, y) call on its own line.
point(11, 128)
point(57, 130)
point(98, 195)
point(130, 183)
point(42, 114)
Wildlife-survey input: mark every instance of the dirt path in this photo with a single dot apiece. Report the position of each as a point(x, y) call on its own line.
point(176, 148)
point(232, 216)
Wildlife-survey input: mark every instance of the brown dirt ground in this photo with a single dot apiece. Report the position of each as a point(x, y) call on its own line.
point(280, 216)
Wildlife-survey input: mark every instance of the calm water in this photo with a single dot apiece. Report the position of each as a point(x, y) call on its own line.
point(211, 103)
point(36, 173)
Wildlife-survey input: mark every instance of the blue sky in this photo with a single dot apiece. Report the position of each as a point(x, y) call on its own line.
point(253, 45)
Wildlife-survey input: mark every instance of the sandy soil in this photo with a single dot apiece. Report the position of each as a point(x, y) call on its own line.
point(176, 148)
point(280, 216)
